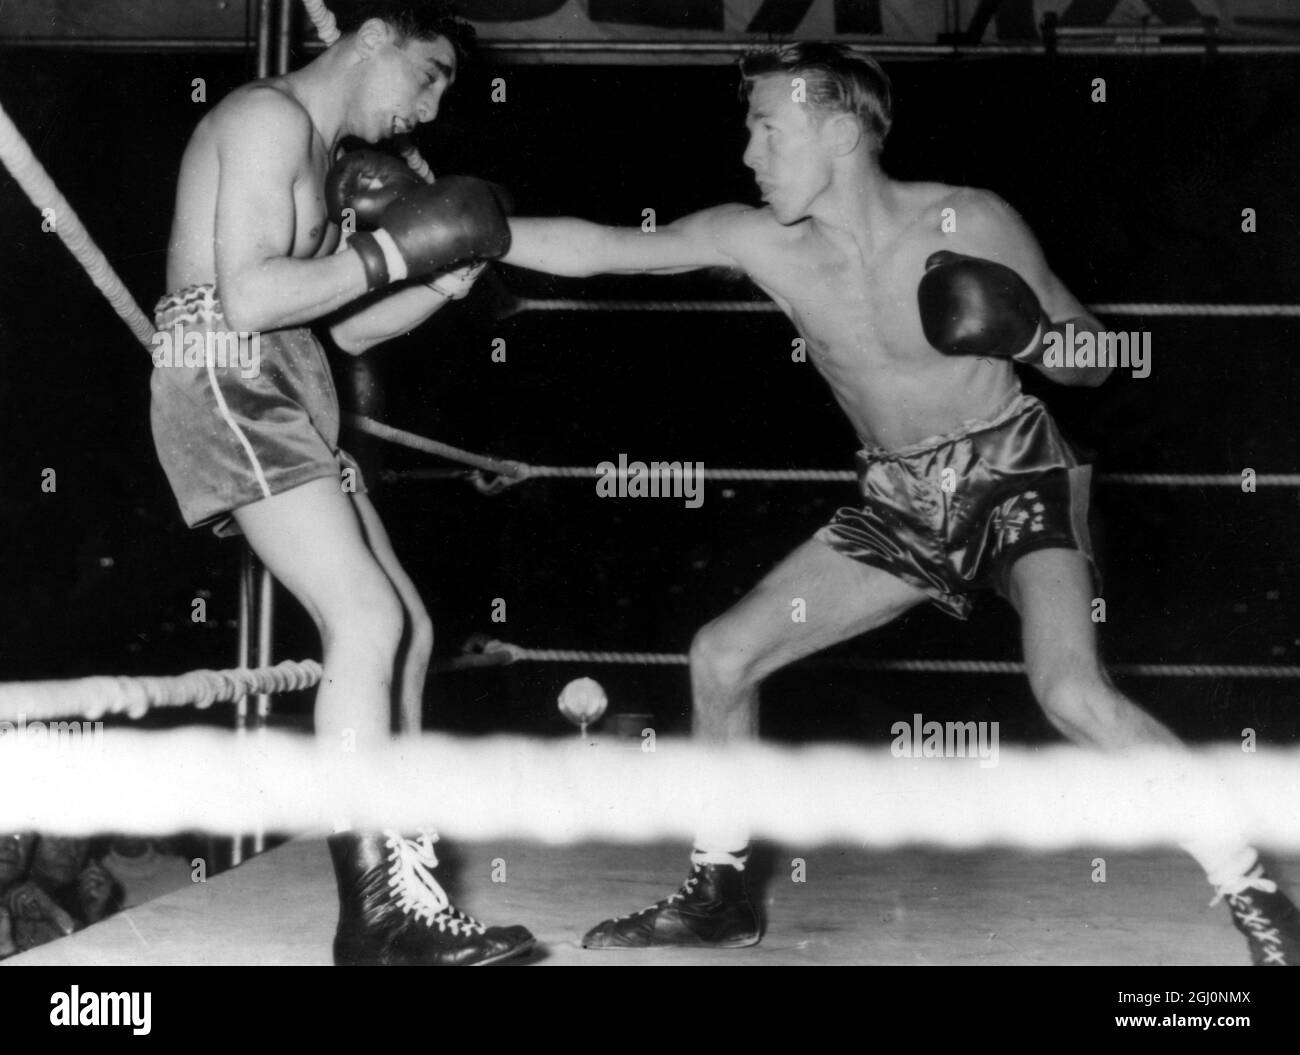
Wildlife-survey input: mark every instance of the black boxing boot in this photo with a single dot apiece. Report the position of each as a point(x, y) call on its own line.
point(392, 912)
point(712, 908)
point(1266, 916)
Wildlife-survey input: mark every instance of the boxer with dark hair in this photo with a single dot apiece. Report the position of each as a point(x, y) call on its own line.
point(411, 20)
point(966, 482)
point(255, 249)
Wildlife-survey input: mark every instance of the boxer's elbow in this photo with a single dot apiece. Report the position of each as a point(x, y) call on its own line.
point(348, 342)
point(252, 297)
point(244, 305)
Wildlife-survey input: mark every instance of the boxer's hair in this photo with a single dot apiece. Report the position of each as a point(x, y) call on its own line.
point(838, 81)
point(418, 19)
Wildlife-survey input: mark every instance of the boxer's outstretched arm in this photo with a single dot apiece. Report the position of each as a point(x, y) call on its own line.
point(567, 246)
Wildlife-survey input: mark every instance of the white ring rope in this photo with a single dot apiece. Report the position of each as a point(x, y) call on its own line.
point(36, 183)
point(93, 697)
point(133, 696)
point(563, 791)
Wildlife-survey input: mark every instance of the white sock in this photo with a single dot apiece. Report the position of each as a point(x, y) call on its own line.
point(720, 842)
point(1225, 863)
point(718, 833)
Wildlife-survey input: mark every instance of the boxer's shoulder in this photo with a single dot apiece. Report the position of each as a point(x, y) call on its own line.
point(262, 111)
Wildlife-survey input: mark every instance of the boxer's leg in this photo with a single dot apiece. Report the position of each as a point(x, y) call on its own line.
point(813, 599)
point(312, 541)
point(391, 909)
point(1052, 590)
point(417, 639)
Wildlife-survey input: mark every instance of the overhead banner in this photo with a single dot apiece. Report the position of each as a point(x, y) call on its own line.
point(566, 22)
point(887, 21)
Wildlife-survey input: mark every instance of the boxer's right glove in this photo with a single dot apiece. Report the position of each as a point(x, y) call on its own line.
point(434, 228)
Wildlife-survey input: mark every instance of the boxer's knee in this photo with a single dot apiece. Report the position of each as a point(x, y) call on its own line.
point(367, 621)
point(1080, 703)
point(721, 663)
point(421, 639)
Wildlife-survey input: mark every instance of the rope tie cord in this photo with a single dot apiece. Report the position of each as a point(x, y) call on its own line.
point(94, 697)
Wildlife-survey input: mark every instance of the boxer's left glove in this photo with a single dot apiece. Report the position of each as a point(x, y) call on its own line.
point(432, 228)
point(367, 182)
point(971, 306)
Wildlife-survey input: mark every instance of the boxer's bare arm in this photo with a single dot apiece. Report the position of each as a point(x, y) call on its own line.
point(709, 238)
point(396, 315)
point(998, 233)
point(262, 144)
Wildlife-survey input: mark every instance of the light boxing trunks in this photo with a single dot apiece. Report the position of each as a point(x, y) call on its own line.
point(238, 418)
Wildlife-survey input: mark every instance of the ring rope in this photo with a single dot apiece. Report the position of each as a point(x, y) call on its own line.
point(754, 306)
point(202, 688)
point(513, 653)
point(515, 471)
point(95, 697)
point(575, 788)
point(576, 472)
point(579, 472)
point(36, 183)
point(402, 438)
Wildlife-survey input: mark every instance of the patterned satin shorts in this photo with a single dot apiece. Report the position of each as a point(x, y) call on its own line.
point(951, 514)
point(238, 421)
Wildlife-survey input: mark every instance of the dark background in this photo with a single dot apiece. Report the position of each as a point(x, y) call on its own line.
point(1135, 199)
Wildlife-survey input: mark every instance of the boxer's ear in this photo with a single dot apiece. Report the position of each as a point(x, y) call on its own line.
point(372, 35)
point(841, 133)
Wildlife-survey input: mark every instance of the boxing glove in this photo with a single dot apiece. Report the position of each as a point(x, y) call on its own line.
point(433, 228)
point(367, 182)
point(971, 306)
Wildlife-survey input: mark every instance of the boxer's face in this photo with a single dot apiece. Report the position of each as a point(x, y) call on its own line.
point(790, 162)
point(403, 81)
point(59, 859)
